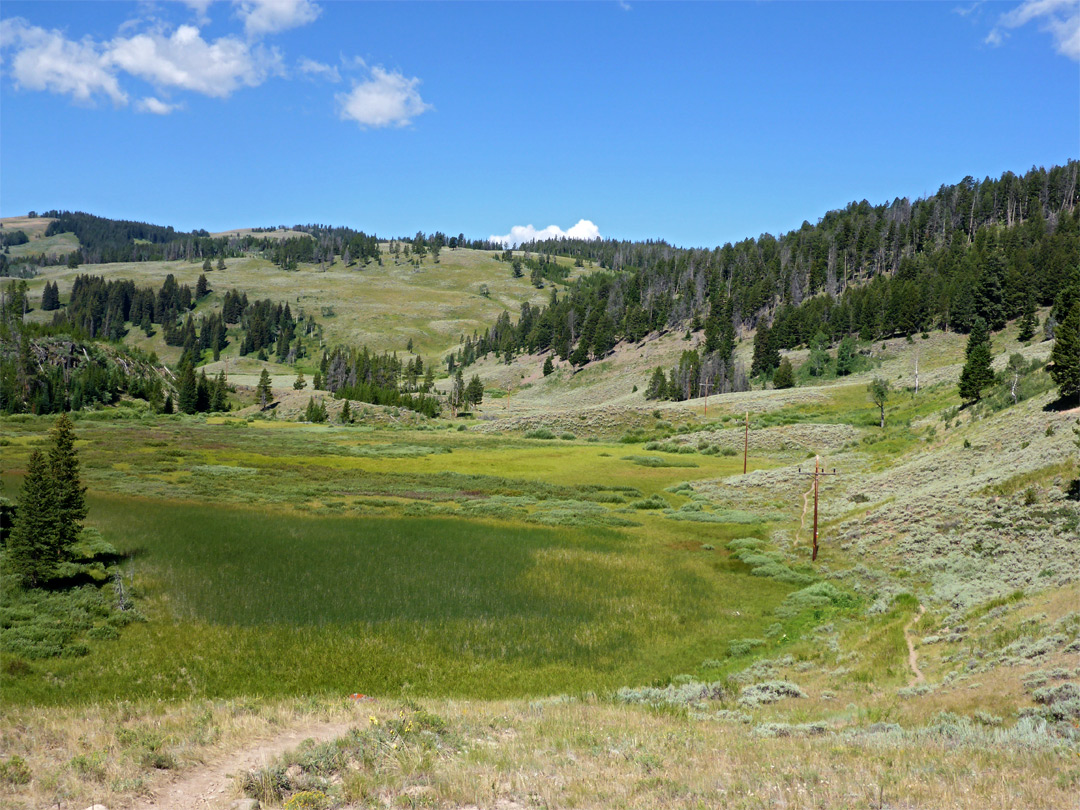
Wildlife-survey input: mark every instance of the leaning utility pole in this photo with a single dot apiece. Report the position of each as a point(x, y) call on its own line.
point(705, 385)
point(816, 474)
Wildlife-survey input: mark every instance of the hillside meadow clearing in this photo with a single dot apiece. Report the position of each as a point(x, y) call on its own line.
point(576, 608)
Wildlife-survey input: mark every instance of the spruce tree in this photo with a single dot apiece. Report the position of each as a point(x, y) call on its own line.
point(657, 385)
point(1029, 322)
point(1065, 356)
point(202, 393)
point(785, 375)
point(299, 384)
point(221, 263)
point(69, 493)
point(202, 286)
point(34, 544)
point(219, 400)
point(845, 356)
point(766, 354)
point(346, 413)
point(977, 373)
point(187, 395)
point(263, 390)
point(474, 392)
point(548, 366)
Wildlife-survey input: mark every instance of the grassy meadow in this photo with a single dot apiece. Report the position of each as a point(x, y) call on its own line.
point(296, 559)
point(381, 305)
point(573, 599)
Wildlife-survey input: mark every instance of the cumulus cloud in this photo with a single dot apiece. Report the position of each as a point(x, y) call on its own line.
point(155, 106)
point(313, 69)
point(383, 100)
point(263, 17)
point(187, 61)
point(47, 60)
point(523, 234)
point(1061, 18)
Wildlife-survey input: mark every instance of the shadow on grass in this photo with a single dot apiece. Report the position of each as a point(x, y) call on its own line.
point(1062, 404)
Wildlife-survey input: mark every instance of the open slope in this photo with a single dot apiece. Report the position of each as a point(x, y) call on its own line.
point(383, 306)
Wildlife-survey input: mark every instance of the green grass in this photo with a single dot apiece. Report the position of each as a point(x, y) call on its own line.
point(380, 306)
point(328, 585)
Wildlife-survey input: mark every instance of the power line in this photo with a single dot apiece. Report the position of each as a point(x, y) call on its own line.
point(817, 475)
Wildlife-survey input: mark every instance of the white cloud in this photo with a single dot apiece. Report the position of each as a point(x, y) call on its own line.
point(155, 106)
point(386, 99)
point(263, 17)
point(523, 234)
point(200, 8)
point(1061, 18)
point(188, 61)
point(47, 60)
point(309, 67)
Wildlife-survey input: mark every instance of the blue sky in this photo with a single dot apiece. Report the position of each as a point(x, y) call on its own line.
point(699, 123)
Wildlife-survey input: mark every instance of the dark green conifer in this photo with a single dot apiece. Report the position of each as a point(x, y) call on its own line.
point(69, 493)
point(785, 375)
point(34, 544)
point(977, 373)
point(187, 390)
point(1065, 356)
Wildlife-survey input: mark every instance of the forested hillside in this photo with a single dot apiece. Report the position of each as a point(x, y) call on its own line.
point(995, 249)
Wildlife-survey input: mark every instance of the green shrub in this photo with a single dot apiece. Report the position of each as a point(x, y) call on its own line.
point(743, 646)
point(540, 433)
point(308, 800)
point(14, 771)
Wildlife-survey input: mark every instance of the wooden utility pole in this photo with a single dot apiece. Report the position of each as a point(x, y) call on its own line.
point(746, 443)
point(818, 472)
point(705, 385)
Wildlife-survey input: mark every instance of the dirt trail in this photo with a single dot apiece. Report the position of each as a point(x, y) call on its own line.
point(210, 786)
point(912, 658)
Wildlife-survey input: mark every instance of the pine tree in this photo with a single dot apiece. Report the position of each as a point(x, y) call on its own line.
point(316, 411)
point(845, 356)
point(69, 493)
point(785, 375)
point(548, 366)
point(766, 354)
point(977, 373)
point(1029, 322)
point(474, 392)
point(219, 400)
point(187, 394)
point(202, 393)
point(346, 413)
point(221, 263)
point(299, 384)
point(168, 406)
point(207, 266)
point(1065, 356)
point(202, 286)
point(263, 390)
point(657, 385)
point(33, 547)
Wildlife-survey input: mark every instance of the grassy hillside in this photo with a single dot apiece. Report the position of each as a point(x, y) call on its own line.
point(383, 306)
point(577, 598)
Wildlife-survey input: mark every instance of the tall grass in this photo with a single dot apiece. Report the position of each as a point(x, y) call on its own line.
point(253, 602)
